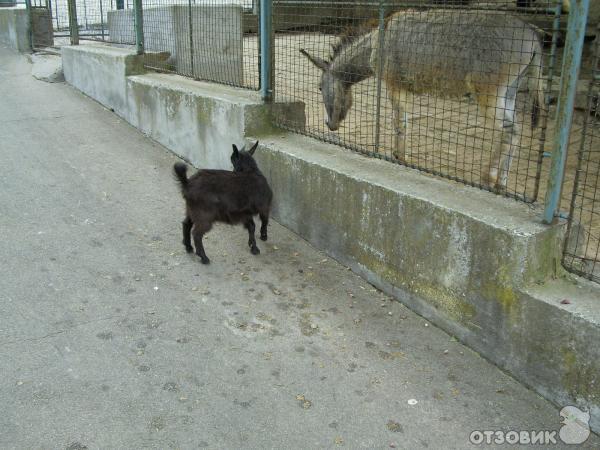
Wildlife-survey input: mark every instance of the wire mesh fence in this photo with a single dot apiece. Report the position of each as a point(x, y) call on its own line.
point(454, 88)
point(582, 245)
point(106, 20)
point(208, 40)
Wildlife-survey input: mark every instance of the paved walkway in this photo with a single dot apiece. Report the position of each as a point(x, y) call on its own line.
point(111, 336)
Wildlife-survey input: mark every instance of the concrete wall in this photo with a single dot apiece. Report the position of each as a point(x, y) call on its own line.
point(215, 52)
point(14, 28)
point(480, 266)
point(171, 109)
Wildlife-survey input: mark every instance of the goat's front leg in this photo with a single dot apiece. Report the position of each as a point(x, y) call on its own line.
point(187, 231)
point(249, 225)
point(264, 222)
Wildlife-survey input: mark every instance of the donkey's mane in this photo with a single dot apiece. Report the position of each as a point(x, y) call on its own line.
point(351, 34)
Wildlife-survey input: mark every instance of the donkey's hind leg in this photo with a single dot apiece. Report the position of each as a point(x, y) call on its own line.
point(512, 133)
point(398, 98)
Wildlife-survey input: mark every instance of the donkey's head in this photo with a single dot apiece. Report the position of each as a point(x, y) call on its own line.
point(336, 91)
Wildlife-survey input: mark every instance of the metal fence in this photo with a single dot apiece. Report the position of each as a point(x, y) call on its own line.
point(207, 40)
point(450, 91)
point(582, 245)
point(102, 20)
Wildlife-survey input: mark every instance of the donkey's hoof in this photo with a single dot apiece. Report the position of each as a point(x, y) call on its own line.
point(189, 249)
point(263, 237)
point(398, 157)
point(205, 260)
point(500, 188)
point(255, 251)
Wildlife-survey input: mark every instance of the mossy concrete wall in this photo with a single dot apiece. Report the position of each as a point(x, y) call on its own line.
point(175, 111)
point(14, 28)
point(480, 266)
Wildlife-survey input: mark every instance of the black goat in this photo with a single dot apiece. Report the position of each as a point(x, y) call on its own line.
point(223, 196)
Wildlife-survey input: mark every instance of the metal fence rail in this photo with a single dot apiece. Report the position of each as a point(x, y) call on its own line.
point(452, 91)
point(582, 246)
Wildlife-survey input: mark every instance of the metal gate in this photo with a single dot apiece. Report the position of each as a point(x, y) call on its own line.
point(41, 32)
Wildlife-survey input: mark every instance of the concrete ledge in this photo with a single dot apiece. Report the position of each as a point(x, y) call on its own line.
point(555, 349)
point(100, 71)
point(200, 121)
point(14, 28)
point(463, 239)
point(480, 266)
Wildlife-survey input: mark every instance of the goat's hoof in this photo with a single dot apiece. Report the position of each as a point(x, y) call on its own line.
point(263, 237)
point(255, 251)
point(189, 249)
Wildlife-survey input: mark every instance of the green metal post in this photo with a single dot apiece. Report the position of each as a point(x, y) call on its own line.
point(380, 73)
point(30, 22)
point(266, 50)
point(566, 102)
point(73, 26)
point(139, 26)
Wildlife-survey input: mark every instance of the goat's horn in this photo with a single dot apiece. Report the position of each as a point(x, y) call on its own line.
point(253, 149)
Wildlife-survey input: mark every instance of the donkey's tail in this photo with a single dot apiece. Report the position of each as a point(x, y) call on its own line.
point(180, 170)
point(538, 88)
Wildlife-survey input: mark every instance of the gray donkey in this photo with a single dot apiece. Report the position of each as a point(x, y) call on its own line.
point(448, 53)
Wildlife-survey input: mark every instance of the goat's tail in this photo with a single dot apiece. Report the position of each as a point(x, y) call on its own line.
point(180, 170)
point(537, 93)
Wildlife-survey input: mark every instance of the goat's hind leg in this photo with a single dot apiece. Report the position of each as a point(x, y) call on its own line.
point(264, 222)
point(198, 233)
point(249, 225)
point(187, 231)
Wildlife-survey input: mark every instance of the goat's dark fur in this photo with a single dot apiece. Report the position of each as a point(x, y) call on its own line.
point(224, 196)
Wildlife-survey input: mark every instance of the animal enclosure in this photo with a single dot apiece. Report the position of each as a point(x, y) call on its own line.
point(457, 92)
point(462, 89)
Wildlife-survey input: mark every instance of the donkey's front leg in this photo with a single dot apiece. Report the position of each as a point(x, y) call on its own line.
point(510, 138)
point(398, 98)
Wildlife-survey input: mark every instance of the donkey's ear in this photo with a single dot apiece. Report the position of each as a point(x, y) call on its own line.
point(253, 149)
point(320, 63)
point(235, 150)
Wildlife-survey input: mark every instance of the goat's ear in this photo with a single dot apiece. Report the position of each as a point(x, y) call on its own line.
point(235, 150)
point(320, 63)
point(253, 149)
